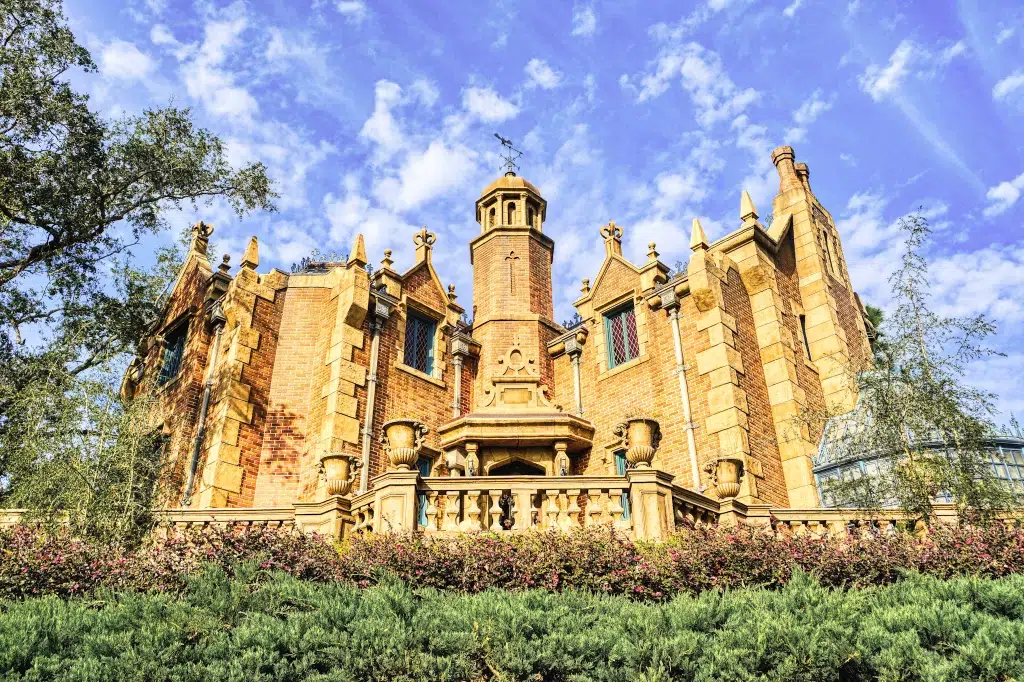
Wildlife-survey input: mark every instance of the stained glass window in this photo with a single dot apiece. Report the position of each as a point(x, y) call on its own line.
point(174, 349)
point(620, 329)
point(419, 342)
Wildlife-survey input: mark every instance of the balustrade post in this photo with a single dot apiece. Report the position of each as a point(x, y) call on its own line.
point(523, 510)
point(551, 508)
point(615, 508)
point(594, 507)
point(573, 510)
point(472, 521)
point(451, 510)
point(431, 512)
point(495, 510)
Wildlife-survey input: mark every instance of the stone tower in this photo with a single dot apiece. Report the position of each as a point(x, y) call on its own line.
point(511, 261)
point(831, 320)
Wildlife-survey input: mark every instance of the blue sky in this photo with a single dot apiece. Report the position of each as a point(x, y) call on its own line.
point(378, 117)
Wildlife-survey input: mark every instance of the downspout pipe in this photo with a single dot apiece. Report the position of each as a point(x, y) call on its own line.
point(670, 301)
point(371, 399)
point(217, 316)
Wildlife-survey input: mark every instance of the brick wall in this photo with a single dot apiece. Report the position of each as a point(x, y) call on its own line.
point(286, 437)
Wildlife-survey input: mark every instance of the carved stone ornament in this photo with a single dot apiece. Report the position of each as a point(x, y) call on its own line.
point(340, 471)
point(726, 474)
point(641, 437)
point(516, 383)
point(611, 231)
point(403, 440)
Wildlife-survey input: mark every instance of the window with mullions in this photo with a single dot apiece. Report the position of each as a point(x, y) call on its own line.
point(419, 342)
point(174, 349)
point(620, 332)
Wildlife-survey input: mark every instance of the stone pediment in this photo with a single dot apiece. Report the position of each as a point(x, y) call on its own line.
point(515, 384)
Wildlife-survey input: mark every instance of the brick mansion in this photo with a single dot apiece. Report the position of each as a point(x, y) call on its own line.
point(348, 398)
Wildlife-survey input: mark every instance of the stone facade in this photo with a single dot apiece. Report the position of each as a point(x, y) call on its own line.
point(293, 387)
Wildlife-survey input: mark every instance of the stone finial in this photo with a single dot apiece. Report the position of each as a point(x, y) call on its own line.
point(201, 237)
point(586, 286)
point(224, 264)
point(612, 234)
point(747, 210)
point(251, 257)
point(424, 241)
point(698, 240)
point(652, 253)
point(451, 293)
point(386, 261)
point(358, 255)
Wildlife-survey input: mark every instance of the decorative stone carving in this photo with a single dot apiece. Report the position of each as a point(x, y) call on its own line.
point(516, 383)
point(641, 437)
point(341, 471)
point(403, 440)
point(726, 474)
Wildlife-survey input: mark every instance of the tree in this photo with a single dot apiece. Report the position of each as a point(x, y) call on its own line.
point(76, 193)
point(917, 419)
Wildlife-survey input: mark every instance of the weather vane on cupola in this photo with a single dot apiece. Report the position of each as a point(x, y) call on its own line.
point(510, 156)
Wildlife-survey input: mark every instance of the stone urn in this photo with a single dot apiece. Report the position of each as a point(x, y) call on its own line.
point(726, 474)
point(403, 440)
point(340, 471)
point(641, 437)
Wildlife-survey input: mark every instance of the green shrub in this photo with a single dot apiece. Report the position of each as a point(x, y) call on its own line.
point(259, 627)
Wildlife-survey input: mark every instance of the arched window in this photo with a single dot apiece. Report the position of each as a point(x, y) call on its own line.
point(490, 218)
point(529, 217)
point(511, 213)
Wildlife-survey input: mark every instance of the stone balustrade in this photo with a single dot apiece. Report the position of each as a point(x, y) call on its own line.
point(517, 503)
point(644, 504)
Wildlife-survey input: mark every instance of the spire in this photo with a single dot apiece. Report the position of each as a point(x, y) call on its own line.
point(747, 211)
point(251, 257)
point(698, 240)
point(358, 256)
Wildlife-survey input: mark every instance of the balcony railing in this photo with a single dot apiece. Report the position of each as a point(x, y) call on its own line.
point(519, 503)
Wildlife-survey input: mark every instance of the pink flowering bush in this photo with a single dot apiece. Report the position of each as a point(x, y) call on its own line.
point(596, 560)
point(34, 563)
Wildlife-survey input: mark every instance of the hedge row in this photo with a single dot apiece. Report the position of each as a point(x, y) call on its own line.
point(281, 629)
point(596, 560)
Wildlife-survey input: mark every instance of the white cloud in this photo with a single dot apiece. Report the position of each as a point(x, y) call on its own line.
point(381, 127)
point(425, 91)
point(353, 10)
point(539, 74)
point(487, 105)
point(124, 61)
point(713, 93)
point(792, 8)
point(908, 58)
point(1005, 34)
point(353, 214)
point(1003, 196)
point(1010, 84)
point(878, 81)
point(206, 77)
point(807, 113)
point(584, 21)
point(426, 175)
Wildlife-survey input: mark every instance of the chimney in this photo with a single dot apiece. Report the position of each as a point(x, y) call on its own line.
point(804, 173)
point(783, 160)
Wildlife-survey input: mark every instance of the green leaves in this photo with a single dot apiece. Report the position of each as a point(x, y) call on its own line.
point(232, 629)
point(921, 424)
point(76, 193)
